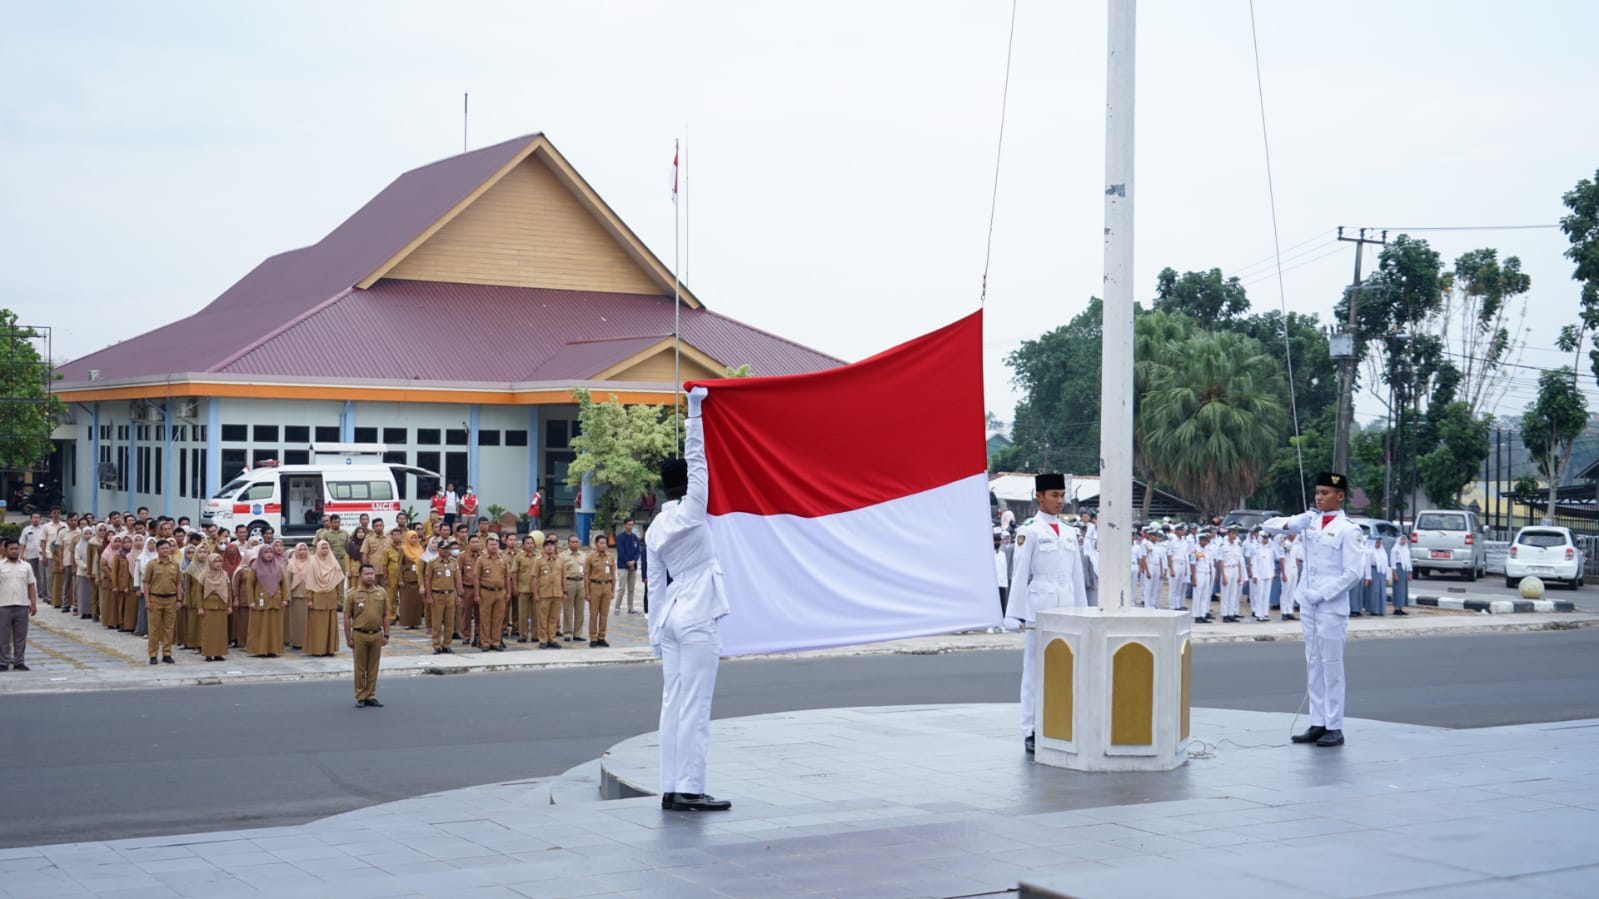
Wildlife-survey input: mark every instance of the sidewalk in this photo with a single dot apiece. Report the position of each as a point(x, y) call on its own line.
point(70, 653)
point(935, 801)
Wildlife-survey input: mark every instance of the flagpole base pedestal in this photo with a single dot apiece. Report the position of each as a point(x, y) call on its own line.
point(1113, 691)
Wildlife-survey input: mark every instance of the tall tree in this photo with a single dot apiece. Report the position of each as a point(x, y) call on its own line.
point(1213, 417)
point(1461, 447)
point(1159, 339)
point(1582, 230)
point(28, 412)
point(620, 448)
point(1057, 420)
point(1486, 306)
point(1552, 424)
point(1205, 297)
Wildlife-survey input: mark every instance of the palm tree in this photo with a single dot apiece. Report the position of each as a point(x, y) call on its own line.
point(1212, 416)
point(1155, 336)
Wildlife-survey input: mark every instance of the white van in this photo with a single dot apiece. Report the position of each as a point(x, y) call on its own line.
point(346, 479)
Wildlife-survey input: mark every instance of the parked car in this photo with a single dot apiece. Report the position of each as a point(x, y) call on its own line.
point(1248, 518)
point(1448, 540)
point(1387, 530)
point(1545, 551)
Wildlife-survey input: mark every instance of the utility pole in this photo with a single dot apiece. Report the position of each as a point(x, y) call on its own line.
point(1343, 349)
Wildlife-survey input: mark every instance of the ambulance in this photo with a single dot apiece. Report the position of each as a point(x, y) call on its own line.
point(344, 479)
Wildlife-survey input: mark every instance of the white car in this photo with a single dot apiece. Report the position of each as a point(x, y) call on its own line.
point(1546, 552)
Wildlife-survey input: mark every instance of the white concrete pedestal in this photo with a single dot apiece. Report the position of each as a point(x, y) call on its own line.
point(1113, 689)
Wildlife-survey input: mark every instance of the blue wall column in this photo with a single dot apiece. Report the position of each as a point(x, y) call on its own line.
point(472, 413)
point(347, 422)
point(94, 466)
point(133, 459)
point(535, 451)
point(166, 459)
point(585, 508)
point(213, 447)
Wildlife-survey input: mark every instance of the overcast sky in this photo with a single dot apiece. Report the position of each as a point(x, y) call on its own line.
point(840, 154)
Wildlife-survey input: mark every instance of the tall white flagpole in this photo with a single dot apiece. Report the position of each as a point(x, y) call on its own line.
point(677, 308)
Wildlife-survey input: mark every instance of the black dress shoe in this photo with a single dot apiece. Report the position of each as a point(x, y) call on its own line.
point(1290, 616)
point(1356, 614)
point(20, 667)
point(1400, 612)
point(667, 799)
point(168, 660)
point(1331, 738)
point(373, 703)
point(521, 639)
point(554, 645)
point(594, 644)
point(154, 660)
point(1316, 732)
point(699, 802)
point(360, 703)
point(605, 644)
point(1028, 744)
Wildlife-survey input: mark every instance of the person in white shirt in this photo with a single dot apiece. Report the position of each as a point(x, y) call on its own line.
point(31, 538)
point(19, 601)
point(1204, 575)
point(452, 504)
point(1289, 561)
point(1001, 572)
point(1180, 560)
point(1047, 574)
point(1399, 563)
point(1232, 570)
point(1262, 571)
point(685, 629)
point(1156, 568)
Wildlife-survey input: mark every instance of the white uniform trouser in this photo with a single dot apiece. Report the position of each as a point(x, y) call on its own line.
point(1202, 588)
point(1231, 591)
point(1260, 596)
point(1029, 678)
point(689, 656)
point(1151, 591)
point(1177, 590)
point(1324, 629)
point(1290, 585)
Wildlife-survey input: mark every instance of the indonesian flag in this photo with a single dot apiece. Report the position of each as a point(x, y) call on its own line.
point(851, 505)
point(674, 173)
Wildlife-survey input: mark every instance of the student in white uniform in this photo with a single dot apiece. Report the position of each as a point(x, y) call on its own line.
point(685, 630)
point(1231, 570)
point(1334, 563)
point(1047, 573)
point(1289, 561)
point(1204, 575)
point(1377, 575)
point(1180, 558)
point(1262, 571)
point(1155, 566)
point(1399, 562)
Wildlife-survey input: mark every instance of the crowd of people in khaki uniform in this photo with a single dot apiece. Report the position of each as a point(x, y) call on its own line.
point(212, 591)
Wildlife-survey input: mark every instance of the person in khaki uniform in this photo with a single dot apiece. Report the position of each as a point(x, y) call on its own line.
point(91, 558)
point(386, 562)
point(265, 586)
point(527, 561)
point(325, 593)
point(366, 632)
point(110, 600)
point(510, 549)
point(599, 581)
point(468, 621)
point(441, 584)
point(493, 579)
point(338, 539)
point(410, 593)
point(572, 605)
point(161, 601)
point(122, 585)
point(211, 594)
point(549, 586)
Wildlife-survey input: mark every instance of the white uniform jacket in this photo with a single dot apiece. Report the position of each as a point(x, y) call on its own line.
point(683, 569)
point(1335, 555)
point(1048, 569)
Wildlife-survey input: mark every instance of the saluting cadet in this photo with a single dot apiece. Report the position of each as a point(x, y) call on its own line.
point(1292, 558)
point(1204, 575)
point(1334, 563)
point(366, 632)
point(1230, 568)
point(1047, 574)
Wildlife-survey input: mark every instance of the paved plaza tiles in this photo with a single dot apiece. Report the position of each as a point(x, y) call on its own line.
point(935, 801)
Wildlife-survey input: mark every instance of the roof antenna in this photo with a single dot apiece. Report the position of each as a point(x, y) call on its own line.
point(465, 107)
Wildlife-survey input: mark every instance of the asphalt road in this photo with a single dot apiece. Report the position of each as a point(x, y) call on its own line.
point(103, 765)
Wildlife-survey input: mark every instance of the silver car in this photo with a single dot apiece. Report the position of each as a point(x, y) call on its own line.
point(1448, 540)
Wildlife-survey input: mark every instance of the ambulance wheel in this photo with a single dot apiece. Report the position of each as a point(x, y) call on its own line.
point(256, 526)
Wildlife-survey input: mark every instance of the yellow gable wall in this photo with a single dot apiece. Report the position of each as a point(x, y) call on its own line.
point(659, 368)
point(527, 231)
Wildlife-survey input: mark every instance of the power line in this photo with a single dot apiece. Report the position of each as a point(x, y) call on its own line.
point(1475, 228)
point(1320, 235)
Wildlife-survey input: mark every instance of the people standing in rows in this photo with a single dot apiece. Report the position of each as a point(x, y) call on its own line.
point(324, 596)
point(468, 622)
point(1001, 570)
point(354, 551)
point(122, 585)
point(265, 585)
point(32, 542)
point(239, 621)
point(212, 593)
point(1374, 596)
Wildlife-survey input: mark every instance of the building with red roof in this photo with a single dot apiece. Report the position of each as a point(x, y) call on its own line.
point(448, 319)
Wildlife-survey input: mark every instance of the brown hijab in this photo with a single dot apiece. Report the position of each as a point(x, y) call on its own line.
point(326, 573)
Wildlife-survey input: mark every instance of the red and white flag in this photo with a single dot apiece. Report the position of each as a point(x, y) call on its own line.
point(851, 505)
point(674, 173)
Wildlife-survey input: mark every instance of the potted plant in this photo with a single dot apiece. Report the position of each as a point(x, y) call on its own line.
point(496, 512)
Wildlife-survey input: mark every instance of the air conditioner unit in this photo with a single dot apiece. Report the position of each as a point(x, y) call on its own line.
point(189, 409)
point(139, 412)
point(107, 473)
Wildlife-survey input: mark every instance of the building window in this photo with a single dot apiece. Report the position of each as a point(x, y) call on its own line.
point(266, 434)
point(325, 434)
point(144, 433)
point(429, 461)
point(393, 457)
point(516, 438)
point(455, 437)
point(488, 438)
point(155, 471)
point(263, 455)
point(183, 473)
point(122, 468)
point(160, 433)
point(200, 433)
point(179, 433)
point(197, 472)
point(105, 432)
point(143, 456)
point(235, 433)
point(296, 457)
point(296, 433)
point(366, 435)
point(394, 436)
point(455, 470)
point(557, 434)
point(233, 462)
point(427, 437)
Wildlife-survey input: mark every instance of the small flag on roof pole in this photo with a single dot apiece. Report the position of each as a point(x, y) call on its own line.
point(674, 172)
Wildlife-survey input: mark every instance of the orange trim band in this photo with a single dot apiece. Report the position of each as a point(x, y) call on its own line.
point(369, 394)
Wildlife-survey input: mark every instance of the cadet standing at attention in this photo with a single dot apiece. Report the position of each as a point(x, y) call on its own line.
point(1047, 574)
point(366, 632)
point(161, 601)
point(1334, 563)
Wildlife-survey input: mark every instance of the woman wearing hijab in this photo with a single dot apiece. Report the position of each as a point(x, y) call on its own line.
point(213, 594)
point(299, 570)
point(353, 558)
point(265, 586)
point(239, 621)
point(122, 582)
point(326, 589)
point(110, 601)
point(411, 582)
point(188, 631)
point(146, 555)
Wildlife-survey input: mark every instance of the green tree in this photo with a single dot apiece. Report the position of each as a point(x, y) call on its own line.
point(1159, 339)
point(1057, 420)
point(620, 448)
point(1213, 417)
point(1554, 421)
point(1488, 291)
point(1581, 228)
point(1462, 446)
point(1005, 459)
point(1205, 297)
point(28, 412)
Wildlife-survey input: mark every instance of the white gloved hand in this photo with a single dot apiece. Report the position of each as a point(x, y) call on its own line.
point(1011, 625)
point(695, 397)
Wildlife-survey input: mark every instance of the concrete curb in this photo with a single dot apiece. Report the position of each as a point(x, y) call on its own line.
point(1497, 606)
